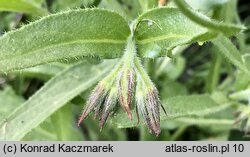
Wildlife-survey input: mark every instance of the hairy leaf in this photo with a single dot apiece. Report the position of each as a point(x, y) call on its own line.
point(45, 71)
point(194, 105)
point(8, 102)
point(241, 95)
point(216, 26)
point(179, 106)
point(246, 60)
point(64, 124)
point(207, 122)
point(226, 47)
point(56, 92)
point(59, 126)
point(76, 33)
point(160, 30)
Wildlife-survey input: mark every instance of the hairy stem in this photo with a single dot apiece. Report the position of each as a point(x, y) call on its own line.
point(143, 74)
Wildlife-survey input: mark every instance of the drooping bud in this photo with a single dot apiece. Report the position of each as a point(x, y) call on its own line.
point(153, 106)
point(141, 105)
point(99, 94)
point(95, 99)
point(126, 86)
point(127, 77)
point(109, 105)
point(119, 85)
point(148, 104)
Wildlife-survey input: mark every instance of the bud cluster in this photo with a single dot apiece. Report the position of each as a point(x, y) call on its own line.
point(126, 81)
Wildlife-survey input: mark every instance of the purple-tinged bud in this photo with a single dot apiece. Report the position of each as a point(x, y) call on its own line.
point(109, 105)
point(126, 87)
point(153, 106)
point(95, 99)
point(148, 104)
point(99, 94)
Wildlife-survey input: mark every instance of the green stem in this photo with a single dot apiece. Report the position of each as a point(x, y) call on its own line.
point(108, 80)
point(178, 50)
point(142, 73)
point(130, 52)
point(127, 61)
point(203, 20)
point(214, 72)
point(18, 85)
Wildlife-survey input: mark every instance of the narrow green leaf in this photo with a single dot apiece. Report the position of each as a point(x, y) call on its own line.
point(127, 8)
point(214, 71)
point(8, 102)
point(205, 4)
point(72, 34)
point(162, 29)
point(246, 60)
point(241, 95)
point(40, 134)
point(227, 29)
point(242, 81)
point(56, 92)
point(22, 6)
point(194, 105)
point(226, 47)
point(207, 122)
point(59, 126)
point(43, 132)
point(64, 124)
point(179, 106)
point(45, 71)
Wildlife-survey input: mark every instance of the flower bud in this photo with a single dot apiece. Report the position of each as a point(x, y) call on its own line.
point(109, 105)
point(119, 85)
point(95, 100)
point(148, 104)
point(99, 94)
point(126, 86)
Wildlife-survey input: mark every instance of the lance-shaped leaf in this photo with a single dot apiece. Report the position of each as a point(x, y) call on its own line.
point(205, 4)
point(53, 95)
point(215, 26)
point(227, 48)
point(162, 29)
point(72, 34)
point(45, 71)
point(22, 6)
point(8, 102)
point(179, 106)
point(246, 60)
